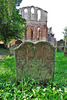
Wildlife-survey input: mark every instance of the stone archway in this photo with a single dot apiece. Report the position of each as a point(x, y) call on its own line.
point(38, 33)
point(31, 34)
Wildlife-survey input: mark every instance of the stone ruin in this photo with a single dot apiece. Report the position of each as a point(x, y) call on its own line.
point(12, 47)
point(35, 60)
point(36, 24)
point(65, 49)
point(51, 38)
point(60, 46)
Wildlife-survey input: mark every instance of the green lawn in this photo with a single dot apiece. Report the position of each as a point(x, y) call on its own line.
point(60, 69)
point(30, 89)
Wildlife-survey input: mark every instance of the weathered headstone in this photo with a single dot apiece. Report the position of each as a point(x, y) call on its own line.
point(65, 49)
point(60, 46)
point(35, 60)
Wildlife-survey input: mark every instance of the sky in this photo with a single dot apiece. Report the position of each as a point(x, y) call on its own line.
point(57, 14)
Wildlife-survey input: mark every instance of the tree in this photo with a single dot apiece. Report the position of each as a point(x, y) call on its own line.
point(65, 33)
point(10, 21)
point(18, 2)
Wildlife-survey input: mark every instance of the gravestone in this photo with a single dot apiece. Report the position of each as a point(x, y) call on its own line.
point(35, 60)
point(65, 49)
point(60, 46)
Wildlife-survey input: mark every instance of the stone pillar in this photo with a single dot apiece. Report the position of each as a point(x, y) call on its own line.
point(35, 14)
point(35, 33)
point(41, 15)
point(45, 16)
point(25, 35)
point(41, 33)
point(29, 32)
point(29, 13)
point(46, 35)
point(22, 12)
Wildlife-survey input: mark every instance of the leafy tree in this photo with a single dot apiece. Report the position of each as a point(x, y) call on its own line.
point(65, 33)
point(10, 21)
point(18, 2)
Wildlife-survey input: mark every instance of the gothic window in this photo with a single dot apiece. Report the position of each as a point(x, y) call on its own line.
point(39, 15)
point(38, 33)
point(31, 34)
point(25, 13)
point(32, 13)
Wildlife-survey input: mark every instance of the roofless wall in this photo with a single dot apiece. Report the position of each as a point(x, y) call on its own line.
point(36, 22)
point(33, 13)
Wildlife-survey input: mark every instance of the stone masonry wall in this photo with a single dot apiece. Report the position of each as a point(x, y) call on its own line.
point(35, 60)
point(36, 22)
point(65, 49)
point(60, 46)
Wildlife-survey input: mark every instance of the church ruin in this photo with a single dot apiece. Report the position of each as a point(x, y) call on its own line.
point(36, 23)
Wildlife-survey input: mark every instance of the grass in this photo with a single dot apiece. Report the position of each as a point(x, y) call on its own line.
point(60, 69)
point(30, 89)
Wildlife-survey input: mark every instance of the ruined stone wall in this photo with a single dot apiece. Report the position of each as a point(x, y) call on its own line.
point(65, 49)
point(35, 60)
point(36, 22)
point(29, 16)
point(60, 46)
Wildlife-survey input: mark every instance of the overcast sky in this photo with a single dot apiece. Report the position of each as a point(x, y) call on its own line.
point(57, 13)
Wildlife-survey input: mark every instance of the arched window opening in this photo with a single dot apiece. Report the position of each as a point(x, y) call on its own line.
point(25, 10)
point(38, 33)
point(32, 10)
point(32, 13)
point(25, 13)
point(31, 34)
point(39, 15)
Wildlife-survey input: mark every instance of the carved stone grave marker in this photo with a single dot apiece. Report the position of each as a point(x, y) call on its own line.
point(36, 60)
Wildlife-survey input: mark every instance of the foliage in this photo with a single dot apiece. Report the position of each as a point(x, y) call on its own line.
point(30, 89)
point(65, 33)
point(18, 2)
point(10, 21)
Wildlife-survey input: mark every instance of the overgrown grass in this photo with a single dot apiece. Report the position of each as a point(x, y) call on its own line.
point(30, 89)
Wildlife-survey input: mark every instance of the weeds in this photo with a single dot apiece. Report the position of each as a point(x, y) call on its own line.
point(30, 89)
